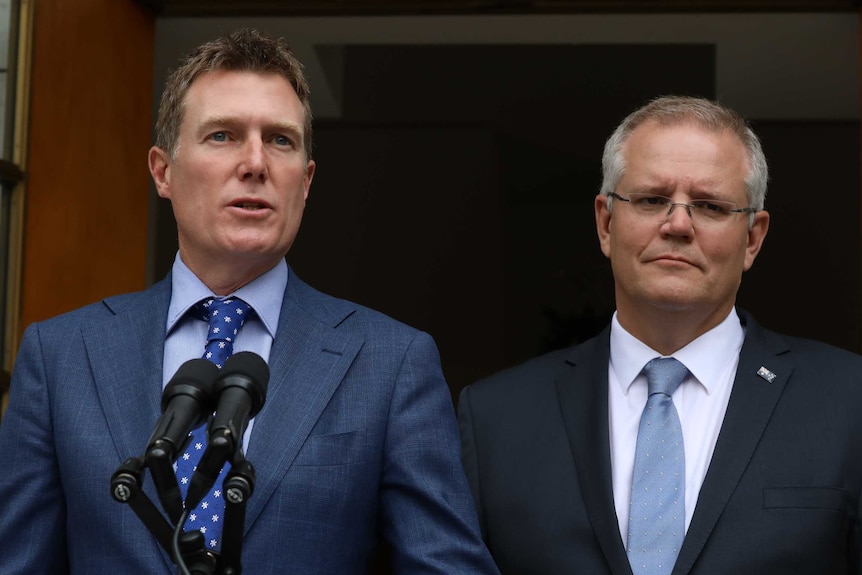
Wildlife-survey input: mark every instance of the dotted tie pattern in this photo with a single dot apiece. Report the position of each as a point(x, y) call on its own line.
point(225, 317)
point(657, 513)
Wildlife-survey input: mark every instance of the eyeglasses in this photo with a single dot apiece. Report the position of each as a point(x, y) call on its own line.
point(703, 211)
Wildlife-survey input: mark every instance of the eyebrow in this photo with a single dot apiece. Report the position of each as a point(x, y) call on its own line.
point(215, 122)
point(695, 193)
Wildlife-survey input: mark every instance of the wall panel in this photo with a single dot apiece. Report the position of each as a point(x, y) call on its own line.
point(90, 126)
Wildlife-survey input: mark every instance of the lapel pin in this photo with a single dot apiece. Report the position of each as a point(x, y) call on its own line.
point(766, 374)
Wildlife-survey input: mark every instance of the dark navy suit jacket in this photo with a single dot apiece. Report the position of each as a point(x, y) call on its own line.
point(357, 443)
point(781, 495)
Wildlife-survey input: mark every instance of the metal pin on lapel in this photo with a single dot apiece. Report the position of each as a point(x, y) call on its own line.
point(766, 374)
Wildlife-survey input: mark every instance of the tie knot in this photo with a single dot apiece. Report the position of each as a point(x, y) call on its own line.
point(225, 316)
point(664, 375)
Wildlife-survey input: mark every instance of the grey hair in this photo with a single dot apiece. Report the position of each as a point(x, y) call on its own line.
point(675, 110)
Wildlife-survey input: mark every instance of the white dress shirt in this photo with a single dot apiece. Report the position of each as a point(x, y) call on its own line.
point(701, 402)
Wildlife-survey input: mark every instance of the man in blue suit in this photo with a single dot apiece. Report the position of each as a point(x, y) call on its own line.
point(357, 443)
point(587, 460)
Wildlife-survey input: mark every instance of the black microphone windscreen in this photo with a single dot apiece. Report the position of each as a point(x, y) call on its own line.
point(249, 371)
point(248, 364)
point(195, 377)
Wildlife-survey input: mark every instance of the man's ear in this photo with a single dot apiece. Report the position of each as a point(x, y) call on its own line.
point(756, 235)
point(603, 223)
point(160, 168)
point(309, 175)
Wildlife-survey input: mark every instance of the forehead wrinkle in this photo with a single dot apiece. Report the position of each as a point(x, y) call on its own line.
point(652, 181)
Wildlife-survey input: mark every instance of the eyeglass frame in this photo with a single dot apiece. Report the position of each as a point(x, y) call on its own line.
point(671, 205)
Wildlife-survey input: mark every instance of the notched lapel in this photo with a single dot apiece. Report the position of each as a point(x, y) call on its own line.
point(125, 349)
point(582, 389)
point(761, 377)
point(309, 359)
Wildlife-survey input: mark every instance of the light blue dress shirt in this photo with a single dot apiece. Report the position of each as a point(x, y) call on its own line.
point(185, 336)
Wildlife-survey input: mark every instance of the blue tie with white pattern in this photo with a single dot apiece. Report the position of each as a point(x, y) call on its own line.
point(225, 318)
point(657, 512)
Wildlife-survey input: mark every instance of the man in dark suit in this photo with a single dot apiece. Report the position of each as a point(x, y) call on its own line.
point(357, 443)
point(588, 460)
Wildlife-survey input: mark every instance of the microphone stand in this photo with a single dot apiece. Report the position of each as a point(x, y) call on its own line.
point(126, 487)
point(237, 487)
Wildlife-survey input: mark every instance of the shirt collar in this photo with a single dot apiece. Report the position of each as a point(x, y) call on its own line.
point(706, 357)
point(264, 294)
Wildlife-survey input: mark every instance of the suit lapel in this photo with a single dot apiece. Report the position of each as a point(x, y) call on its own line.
point(308, 361)
point(583, 393)
point(125, 348)
point(752, 401)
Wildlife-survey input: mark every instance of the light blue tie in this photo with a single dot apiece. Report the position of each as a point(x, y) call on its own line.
point(657, 512)
point(225, 318)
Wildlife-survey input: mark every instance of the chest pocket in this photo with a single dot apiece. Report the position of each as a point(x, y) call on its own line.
point(333, 449)
point(829, 498)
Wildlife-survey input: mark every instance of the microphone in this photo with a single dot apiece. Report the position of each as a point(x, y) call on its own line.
point(187, 402)
point(241, 388)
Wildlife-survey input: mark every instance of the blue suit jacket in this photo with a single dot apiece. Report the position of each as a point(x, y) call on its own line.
point(781, 495)
point(357, 443)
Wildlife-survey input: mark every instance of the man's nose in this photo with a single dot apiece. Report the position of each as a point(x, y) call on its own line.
point(678, 220)
point(672, 207)
point(253, 164)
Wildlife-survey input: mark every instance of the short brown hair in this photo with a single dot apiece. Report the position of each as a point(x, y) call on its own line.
point(245, 50)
